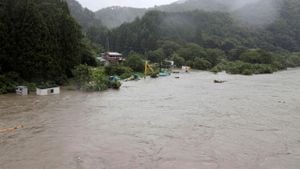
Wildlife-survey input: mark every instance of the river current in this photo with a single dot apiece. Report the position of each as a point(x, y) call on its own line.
point(248, 122)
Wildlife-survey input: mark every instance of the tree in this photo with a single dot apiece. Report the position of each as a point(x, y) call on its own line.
point(156, 56)
point(201, 64)
point(178, 61)
point(87, 53)
point(257, 56)
point(135, 62)
point(236, 53)
point(191, 51)
point(214, 56)
point(42, 42)
point(82, 75)
point(169, 47)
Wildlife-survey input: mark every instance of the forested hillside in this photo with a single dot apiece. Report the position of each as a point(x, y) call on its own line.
point(113, 17)
point(258, 14)
point(247, 12)
point(190, 5)
point(83, 16)
point(206, 40)
point(40, 41)
point(207, 29)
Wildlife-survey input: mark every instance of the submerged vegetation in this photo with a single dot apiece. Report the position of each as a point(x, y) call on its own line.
point(90, 79)
point(41, 43)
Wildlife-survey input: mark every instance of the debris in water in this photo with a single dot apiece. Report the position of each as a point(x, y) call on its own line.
point(11, 129)
point(219, 81)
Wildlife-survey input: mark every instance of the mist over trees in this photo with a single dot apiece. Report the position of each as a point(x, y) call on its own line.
point(207, 29)
point(113, 17)
point(247, 12)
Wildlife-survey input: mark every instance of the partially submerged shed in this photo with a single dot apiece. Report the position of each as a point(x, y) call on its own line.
point(47, 91)
point(22, 90)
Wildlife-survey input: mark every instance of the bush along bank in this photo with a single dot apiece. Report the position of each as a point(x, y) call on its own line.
point(238, 60)
point(88, 78)
point(257, 64)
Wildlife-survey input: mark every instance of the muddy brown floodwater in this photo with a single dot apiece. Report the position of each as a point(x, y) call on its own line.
point(249, 122)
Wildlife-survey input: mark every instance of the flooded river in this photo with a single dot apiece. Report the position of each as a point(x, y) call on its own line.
point(249, 122)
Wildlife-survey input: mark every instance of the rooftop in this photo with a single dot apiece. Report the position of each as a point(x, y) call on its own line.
point(114, 53)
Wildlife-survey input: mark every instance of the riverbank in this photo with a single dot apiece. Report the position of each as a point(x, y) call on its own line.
point(91, 79)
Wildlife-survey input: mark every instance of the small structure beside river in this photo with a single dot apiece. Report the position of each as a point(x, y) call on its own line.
point(47, 91)
point(22, 90)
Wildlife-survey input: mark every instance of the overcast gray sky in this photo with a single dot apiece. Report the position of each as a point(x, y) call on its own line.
point(98, 4)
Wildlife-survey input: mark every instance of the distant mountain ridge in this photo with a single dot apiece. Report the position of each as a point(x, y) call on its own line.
point(213, 30)
point(256, 12)
point(114, 16)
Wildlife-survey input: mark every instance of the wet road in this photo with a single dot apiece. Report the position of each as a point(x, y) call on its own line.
point(249, 122)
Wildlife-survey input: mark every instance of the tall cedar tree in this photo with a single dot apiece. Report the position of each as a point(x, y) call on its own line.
point(39, 39)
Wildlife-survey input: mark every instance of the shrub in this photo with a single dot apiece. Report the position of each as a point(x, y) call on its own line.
point(247, 72)
point(190, 63)
point(239, 67)
point(219, 67)
point(90, 79)
point(293, 60)
point(178, 61)
point(31, 86)
point(118, 70)
point(99, 79)
point(82, 75)
point(9, 82)
point(264, 68)
point(214, 56)
point(6, 85)
point(125, 75)
point(257, 56)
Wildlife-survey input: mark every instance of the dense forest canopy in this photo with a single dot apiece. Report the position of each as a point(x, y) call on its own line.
point(39, 39)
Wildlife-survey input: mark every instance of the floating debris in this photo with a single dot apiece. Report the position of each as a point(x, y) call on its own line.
point(11, 129)
point(219, 81)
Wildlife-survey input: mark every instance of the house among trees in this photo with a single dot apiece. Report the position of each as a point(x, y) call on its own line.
point(113, 57)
